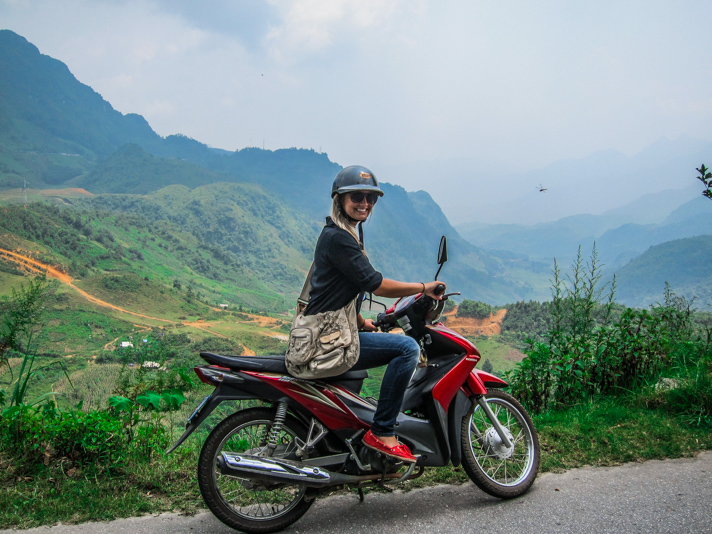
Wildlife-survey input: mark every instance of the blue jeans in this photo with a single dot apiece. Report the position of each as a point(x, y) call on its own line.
point(401, 353)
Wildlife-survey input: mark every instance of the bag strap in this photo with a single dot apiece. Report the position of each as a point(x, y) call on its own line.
point(304, 295)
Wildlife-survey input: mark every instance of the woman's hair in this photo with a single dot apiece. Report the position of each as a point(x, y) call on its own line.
point(339, 218)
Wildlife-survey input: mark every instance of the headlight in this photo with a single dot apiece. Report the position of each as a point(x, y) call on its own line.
point(433, 315)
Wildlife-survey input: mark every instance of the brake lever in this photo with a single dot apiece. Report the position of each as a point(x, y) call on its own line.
point(450, 295)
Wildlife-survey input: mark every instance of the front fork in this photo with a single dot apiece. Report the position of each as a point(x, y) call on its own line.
point(495, 422)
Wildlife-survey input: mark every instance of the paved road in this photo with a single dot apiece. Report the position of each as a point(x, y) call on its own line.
point(651, 497)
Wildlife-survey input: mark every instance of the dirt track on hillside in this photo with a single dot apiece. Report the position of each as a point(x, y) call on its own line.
point(37, 266)
point(467, 326)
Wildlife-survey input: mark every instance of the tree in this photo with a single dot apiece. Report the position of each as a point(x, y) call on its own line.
point(476, 309)
point(19, 316)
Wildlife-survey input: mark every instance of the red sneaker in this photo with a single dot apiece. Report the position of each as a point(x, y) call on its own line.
point(399, 452)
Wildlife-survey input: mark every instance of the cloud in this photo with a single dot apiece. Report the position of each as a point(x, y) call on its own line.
point(387, 82)
point(247, 21)
point(311, 26)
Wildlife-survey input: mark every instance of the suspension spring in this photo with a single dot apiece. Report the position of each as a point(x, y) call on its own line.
point(279, 419)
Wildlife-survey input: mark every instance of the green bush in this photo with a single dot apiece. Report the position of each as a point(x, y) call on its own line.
point(37, 436)
point(685, 387)
point(594, 349)
point(129, 284)
point(476, 309)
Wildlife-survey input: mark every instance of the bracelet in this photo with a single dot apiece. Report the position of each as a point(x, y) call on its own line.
point(421, 283)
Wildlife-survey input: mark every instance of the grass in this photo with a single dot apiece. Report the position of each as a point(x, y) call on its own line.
point(606, 432)
point(501, 355)
point(10, 281)
point(91, 386)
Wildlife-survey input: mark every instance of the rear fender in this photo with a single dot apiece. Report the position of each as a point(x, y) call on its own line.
point(222, 393)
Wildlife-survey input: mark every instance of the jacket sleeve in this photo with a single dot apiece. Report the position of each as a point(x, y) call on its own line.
point(353, 263)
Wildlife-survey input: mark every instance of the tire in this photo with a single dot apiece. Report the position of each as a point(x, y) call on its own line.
point(500, 471)
point(242, 503)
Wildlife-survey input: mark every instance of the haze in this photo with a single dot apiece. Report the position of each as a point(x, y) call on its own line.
point(450, 96)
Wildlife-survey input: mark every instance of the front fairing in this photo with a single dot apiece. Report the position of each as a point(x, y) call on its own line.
point(441, 341)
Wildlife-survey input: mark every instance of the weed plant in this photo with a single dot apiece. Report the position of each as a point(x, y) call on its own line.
point(594, 350)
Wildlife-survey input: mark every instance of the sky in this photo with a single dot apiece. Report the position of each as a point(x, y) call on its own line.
point(395, 85)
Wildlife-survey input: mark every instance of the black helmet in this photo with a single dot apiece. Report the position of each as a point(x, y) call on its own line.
point(355, 178)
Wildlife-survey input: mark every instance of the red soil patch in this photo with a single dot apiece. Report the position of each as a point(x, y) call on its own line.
point(70, 191)
point(469, 326)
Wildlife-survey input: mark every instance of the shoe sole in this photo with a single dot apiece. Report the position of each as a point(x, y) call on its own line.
point(392, 456)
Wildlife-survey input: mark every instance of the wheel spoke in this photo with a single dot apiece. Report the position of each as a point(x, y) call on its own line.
point(505, 466)
point(249, 498)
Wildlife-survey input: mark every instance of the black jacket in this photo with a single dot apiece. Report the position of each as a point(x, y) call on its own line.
point(341, 271)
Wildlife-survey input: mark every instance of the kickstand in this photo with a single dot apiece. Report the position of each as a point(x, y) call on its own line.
point(382, 482)
point(360, 494)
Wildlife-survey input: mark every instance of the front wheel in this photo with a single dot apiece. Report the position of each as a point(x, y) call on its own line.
point(242, 503)
point(501, 471)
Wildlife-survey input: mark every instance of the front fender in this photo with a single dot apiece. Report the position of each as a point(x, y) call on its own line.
point(478, 382)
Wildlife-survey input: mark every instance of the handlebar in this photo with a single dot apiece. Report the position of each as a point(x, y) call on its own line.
point(387, 321)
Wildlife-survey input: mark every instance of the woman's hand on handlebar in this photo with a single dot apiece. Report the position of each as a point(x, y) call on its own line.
point(435, 289)
point(368, 326)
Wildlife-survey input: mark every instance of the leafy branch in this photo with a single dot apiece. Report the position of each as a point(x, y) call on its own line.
point(706, 178)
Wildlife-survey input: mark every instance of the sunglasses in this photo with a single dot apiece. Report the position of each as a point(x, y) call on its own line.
point(358, 197)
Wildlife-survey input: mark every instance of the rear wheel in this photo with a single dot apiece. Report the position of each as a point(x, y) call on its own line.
point(242, 503)
point(499, 470)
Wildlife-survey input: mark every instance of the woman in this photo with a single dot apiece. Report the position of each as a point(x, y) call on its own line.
point(343, 272)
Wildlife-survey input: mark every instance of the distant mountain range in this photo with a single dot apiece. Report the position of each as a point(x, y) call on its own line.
point(622, 247)
point(58, 133)
point(258, 212)
point(510, 192)
point(618, 240)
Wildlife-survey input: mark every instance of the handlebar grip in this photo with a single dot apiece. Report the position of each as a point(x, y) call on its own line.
point(439, 289)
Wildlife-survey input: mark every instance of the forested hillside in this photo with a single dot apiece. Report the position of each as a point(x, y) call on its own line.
point(683, 263)
point(252, 214)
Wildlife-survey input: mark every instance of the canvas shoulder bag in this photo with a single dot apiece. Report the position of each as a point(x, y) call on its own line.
point(322, 345)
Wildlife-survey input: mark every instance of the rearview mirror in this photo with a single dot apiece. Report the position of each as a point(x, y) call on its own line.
point(442, 254)
point(442, 251)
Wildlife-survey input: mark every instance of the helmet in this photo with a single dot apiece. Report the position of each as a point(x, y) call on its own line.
point(355, 178)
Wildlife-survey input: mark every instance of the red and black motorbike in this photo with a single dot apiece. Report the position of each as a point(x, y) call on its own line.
point(261, 468)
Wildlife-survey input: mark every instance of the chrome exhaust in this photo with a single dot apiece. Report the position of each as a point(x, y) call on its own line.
point(286, 471)
point(278, 470)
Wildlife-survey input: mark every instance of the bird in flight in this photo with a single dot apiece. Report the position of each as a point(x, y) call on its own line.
point(541, 188)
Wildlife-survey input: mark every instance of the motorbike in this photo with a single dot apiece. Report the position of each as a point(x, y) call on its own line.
point(262, 467)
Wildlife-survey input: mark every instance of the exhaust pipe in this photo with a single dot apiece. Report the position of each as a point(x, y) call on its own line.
point(282, 471)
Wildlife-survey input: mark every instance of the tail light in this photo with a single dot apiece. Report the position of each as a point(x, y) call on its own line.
point(214, 375)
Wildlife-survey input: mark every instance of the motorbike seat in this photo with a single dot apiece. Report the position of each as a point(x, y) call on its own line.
point(269, 364)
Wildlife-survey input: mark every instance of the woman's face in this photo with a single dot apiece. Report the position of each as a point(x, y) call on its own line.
point(360, 210)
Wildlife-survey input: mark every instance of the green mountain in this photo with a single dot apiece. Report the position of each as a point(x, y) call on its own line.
point(247, 218)
point(682, 263)
point(52, 127)
point(242, 224)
